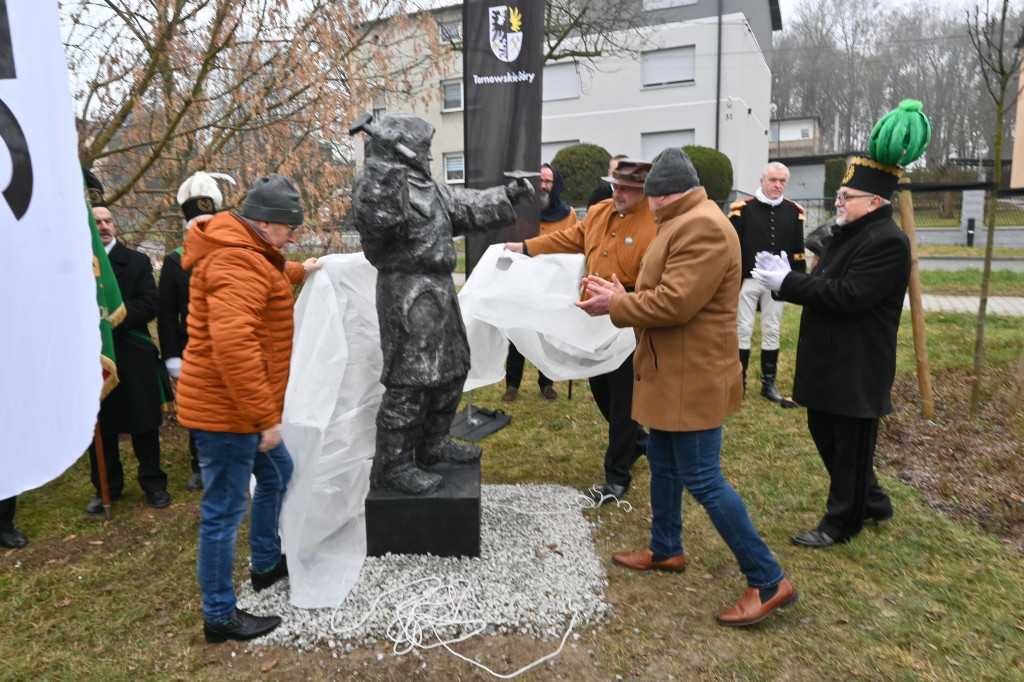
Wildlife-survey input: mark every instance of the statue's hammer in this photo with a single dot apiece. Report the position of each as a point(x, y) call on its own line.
point(521, 175)
point(362, 125)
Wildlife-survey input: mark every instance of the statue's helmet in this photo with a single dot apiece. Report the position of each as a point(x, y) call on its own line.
point(411, 131)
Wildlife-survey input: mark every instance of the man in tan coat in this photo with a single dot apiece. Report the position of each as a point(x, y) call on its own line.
point(688, 379)
point(613, 236)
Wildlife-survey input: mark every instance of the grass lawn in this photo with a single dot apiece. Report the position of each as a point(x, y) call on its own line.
point(968, 282)
point(921, 597)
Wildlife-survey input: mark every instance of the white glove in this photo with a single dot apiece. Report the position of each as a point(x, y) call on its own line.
point(173, 366)
point(766, 260)
point(770, 269)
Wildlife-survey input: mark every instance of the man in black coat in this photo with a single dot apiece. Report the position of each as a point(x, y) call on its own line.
point(846, 355)
point(135, 405)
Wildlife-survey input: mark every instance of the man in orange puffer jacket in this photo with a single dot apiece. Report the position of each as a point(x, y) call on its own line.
point(231, 389)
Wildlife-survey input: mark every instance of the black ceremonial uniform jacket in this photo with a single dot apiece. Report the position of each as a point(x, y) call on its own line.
point(763, 227)
point(853, 301)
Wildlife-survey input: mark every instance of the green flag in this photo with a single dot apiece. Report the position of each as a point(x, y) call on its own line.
point(111, 307)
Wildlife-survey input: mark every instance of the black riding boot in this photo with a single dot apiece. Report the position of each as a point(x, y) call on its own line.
point(769, 362)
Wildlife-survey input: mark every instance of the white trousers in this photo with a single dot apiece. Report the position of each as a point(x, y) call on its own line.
point(752, 293)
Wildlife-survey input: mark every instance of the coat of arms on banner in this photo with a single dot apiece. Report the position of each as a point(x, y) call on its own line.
point(506, 32)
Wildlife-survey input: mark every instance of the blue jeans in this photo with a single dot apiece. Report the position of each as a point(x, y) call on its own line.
point(226, 461)
point(690, 460)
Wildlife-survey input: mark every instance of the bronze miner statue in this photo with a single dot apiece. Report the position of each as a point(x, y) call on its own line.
point(406, 221)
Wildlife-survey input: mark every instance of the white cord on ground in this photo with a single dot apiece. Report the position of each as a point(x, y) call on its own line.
point(522, 670)
point(598, 498)
point(421, 616)
point(580, 501)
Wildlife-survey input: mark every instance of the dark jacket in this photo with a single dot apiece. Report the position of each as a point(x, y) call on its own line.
point(406, 221)
point(763, 227)
point(853, 301)
point(172, 319)
point(134, 406)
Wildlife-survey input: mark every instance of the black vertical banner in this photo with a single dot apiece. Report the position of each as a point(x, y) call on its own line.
point(502, 67)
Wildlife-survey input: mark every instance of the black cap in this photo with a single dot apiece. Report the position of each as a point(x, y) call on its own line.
point(872, 177)
point(94, 189)
point(273, 199)
point(671, 173)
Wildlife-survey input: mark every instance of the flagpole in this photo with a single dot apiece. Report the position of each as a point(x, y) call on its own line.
point(101, 463)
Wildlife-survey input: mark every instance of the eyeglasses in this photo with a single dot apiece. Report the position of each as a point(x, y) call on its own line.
point(292, 229)
point(841, 198)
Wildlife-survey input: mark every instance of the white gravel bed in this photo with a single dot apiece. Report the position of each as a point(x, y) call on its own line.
point(536, 568)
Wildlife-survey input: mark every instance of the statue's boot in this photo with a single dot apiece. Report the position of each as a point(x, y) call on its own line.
point(443, 450)
point(394, 467)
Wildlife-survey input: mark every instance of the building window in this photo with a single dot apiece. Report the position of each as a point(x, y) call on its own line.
point(454, 168)
point(669, 67)
point(653, 143)
point(805, 133)
point(452, 91)
point(561, 81)
point(380, 107)
point(666, 4)
point(548, 150)
point(451, 32)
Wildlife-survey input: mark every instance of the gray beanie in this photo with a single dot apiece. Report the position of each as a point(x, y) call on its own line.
point(273, 199)
point(672, 173)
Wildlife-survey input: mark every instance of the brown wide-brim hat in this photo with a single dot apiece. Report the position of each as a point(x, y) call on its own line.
point(868, 175)
point(629, 173)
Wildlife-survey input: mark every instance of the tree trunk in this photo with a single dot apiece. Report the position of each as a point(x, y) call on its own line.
point(924, 372)
point(1017, 395)
point(986, 273)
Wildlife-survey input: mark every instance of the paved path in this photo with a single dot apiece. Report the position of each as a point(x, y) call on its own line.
point(1012, 306)
point(962, 263)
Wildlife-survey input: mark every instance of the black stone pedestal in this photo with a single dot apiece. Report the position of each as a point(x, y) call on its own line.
point(445, 523)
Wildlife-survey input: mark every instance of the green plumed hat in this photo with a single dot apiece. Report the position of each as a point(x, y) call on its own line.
point(899, 138)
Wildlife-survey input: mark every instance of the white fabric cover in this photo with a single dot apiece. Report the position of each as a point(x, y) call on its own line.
point(331, 403)
point(334, 390)
point(531, 302)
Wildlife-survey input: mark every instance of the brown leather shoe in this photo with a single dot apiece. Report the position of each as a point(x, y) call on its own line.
point(510, 395)
point(549, 393)
point(644, 561)
point(750, 610)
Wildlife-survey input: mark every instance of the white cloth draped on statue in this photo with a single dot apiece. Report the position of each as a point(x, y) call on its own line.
point(334, 389)
point(530, 301)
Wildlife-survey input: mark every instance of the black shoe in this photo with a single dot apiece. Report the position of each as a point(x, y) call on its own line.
point(159, 499)
point(261, 581)
point(242, 626)
point(881, 516)
point(95, 507)
point(195, 483)
point(610, 492)
point(813, 538)
point(14, 540)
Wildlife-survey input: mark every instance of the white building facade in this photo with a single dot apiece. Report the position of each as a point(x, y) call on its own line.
point(700, 79)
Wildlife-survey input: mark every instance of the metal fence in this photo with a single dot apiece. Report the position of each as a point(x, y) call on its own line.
point(951, 214)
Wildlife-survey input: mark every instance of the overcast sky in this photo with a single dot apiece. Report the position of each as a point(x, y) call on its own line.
point(788, 7)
